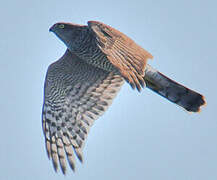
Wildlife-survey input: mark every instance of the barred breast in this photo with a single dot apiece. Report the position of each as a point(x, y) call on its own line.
point(88, 51)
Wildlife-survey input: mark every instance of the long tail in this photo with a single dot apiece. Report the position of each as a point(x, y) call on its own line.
point(174, 92)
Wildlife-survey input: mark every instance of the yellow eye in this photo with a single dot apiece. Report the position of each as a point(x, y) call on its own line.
point(61, 26)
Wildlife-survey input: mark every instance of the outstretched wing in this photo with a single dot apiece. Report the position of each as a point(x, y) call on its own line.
point(75, 95)
point(122, 52)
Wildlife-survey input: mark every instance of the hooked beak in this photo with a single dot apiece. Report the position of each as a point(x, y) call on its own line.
point(52, 28)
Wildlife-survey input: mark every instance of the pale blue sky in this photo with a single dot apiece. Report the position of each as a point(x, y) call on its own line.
point(142, 136)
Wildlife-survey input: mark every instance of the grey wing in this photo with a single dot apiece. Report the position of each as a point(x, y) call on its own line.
point(75, 95)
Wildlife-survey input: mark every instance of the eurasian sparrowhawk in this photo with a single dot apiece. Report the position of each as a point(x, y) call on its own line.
point(81, 85)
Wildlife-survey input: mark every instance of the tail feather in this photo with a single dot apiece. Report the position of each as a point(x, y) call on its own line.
point(174, 92)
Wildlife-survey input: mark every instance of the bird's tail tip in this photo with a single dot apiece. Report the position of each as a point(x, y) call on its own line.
point(188, 99)
point(202, 104)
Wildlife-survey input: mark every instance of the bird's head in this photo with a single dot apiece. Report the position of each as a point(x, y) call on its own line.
point(70, 34)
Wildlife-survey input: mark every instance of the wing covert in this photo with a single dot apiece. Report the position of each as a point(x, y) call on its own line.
point(122, 52)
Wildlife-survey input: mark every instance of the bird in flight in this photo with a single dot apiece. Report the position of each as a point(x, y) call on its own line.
point(81, 85)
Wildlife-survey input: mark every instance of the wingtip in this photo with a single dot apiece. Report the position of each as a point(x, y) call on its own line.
point(55, 166)
point(63, 168)
point(64, 171)
point(79, 154)
point(72, 166)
